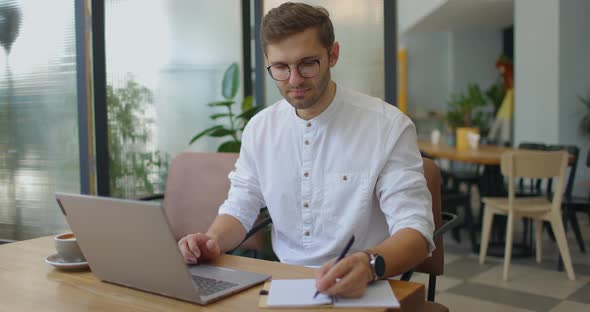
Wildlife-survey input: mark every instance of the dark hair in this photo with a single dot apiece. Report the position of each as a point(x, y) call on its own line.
point(290, 18)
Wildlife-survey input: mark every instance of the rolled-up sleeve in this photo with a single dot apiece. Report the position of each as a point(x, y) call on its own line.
point(401, 187)
point(244, 199)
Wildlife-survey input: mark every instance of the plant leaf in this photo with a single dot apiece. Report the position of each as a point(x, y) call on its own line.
point(215, 116)
point(247, 103)
point(220, 132)
point(585, 101)
point(246, 115)
point(202, 133)
point(229, 85)
point(221, 103)
point(229, 147)
point(584, 126)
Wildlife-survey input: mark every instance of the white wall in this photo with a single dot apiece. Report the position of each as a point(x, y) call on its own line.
point(474, 56)
point(552, 66)
point(441, 63)
point(429, 69)
point(412, 11)
point(536, 37)
point(574, 80)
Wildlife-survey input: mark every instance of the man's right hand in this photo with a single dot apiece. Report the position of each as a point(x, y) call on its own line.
point(198, 247)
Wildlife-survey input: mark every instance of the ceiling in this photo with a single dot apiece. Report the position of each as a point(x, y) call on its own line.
point(467, 15)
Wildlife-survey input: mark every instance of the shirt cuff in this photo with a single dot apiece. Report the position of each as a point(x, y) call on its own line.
point(422, 229)
point(246, 221)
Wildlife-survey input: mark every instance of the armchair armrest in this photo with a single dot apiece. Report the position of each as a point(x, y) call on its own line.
point(257, 227)
point(449, 222)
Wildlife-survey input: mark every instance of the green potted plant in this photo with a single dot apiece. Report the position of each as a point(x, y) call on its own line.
point(463, 116)
point(495, 93)
point(134, 170)
point(584, 127)
point(235, 122)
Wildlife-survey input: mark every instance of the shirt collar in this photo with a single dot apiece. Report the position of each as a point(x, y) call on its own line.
point(324, 116)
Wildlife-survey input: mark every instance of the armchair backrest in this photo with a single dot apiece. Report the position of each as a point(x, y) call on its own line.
point(435, 263)
point(197, 185)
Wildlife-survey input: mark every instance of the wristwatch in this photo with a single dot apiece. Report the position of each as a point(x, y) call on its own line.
point(377, 264)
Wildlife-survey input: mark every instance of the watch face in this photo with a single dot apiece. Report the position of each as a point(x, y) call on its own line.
point(379, 266)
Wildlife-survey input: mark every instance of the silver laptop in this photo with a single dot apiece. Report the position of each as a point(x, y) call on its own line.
point(130, 243)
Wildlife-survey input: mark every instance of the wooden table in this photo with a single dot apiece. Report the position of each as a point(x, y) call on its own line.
point(27, 283)
point(484, 154)
point(489, 155)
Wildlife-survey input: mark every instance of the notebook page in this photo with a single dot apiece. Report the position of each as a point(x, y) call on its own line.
point(294, 293)
point(378, 294)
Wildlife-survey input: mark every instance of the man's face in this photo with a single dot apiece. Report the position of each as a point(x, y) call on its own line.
point(300, 92)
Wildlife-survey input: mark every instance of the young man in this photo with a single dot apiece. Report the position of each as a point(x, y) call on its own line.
point(328, 163)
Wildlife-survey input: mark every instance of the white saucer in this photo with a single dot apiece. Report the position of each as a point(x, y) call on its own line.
point(60, 263)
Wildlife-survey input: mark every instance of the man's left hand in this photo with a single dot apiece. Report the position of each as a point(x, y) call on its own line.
point(348, 278)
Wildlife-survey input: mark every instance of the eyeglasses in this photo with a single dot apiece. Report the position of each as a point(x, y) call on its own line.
point(282, 72)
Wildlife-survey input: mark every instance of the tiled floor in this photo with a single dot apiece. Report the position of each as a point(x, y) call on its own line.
point(467, 286)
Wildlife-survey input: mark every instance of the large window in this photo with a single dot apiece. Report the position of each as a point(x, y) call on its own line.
point(38, 115)
point(165, 61)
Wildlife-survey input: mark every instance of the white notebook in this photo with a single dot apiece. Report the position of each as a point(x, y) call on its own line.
point(299, 293)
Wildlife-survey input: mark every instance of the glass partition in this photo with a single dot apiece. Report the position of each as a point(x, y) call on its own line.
point(38, 115)
point(165, 61)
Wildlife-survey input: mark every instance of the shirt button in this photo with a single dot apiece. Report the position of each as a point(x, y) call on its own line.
point(308, 124)
point(306, 174)
point(306, 142)
point(306, 205)
point(344, 178)
point(306, 233)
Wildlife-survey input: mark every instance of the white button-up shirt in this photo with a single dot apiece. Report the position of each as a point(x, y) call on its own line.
point(354, 169)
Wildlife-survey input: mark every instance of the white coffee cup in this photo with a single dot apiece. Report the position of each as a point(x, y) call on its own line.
point(473, 140)
point(435, 137)
point(67, 248)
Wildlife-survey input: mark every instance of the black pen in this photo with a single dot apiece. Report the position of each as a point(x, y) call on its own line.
point(342, 254)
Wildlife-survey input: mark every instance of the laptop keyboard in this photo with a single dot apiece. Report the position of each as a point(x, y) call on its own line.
point(209, 286)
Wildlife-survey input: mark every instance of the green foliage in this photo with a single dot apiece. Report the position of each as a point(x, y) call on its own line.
point(10, 24)
point(230, 82)
point(495, 94)
point(462, 106)
point(584, 127)
point(132, 170)
point(235, 122)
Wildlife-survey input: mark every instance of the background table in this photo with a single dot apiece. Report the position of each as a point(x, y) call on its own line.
point(483, 155)
point(27, 283)
point(491, 181)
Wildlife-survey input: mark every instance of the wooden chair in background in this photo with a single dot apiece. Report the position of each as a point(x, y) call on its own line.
point(535, 165)
point(569, 213)
point(579, 204)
